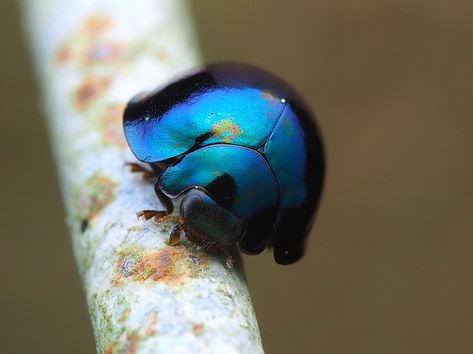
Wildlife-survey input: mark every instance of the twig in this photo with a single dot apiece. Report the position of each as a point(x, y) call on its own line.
point(144, 296)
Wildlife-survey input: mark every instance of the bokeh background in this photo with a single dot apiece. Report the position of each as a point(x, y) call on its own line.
point(389, 267)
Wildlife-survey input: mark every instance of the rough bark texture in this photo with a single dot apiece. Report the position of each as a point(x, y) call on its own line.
point(143, 295)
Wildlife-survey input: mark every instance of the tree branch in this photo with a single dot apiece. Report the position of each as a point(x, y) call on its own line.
point(143, 295)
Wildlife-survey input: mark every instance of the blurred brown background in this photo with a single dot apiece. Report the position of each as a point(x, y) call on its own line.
point(389, 267)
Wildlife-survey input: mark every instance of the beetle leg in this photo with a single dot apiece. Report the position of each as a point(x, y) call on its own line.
point(223, 251)
point(175, 236)
point(159, 215)
point(137, 168)
point(228, 257)
point(210, 246)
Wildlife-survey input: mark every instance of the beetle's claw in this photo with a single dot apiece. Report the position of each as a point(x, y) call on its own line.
point(229, 261)
point(228, 257)
point(175, 236)
point(158, 215)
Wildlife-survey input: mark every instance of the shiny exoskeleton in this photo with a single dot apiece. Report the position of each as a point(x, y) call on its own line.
point(241, 152)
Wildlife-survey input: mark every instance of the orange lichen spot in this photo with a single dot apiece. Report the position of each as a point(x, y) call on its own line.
point(97, 23)
point(110, 349)
point(198, 328)
point(125, 314)
point(97, 192)
point(151, 330)
point(111, 124)
point(63, 54)
point(171, 265)
point(89, 90)
point(226, 129)
point(131, 345)
point(133, 342)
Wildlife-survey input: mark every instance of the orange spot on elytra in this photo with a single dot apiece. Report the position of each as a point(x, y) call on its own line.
point(226, 130)
point(289, 130)
point(267, 95)
point(236, 130)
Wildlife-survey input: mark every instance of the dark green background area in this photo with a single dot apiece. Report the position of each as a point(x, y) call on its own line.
point(389, 267)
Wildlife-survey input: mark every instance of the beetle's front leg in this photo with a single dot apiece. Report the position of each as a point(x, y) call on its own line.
point(175, 236)
point(209, 245)
point(159, 216)
point(228, 256)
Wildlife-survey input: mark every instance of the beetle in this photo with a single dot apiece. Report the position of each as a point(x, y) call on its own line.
point(238, 151)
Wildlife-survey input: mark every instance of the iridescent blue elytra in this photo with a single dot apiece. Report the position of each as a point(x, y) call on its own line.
point(241, 150)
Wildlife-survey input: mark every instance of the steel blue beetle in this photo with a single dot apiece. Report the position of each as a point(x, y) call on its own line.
point(238, 150)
